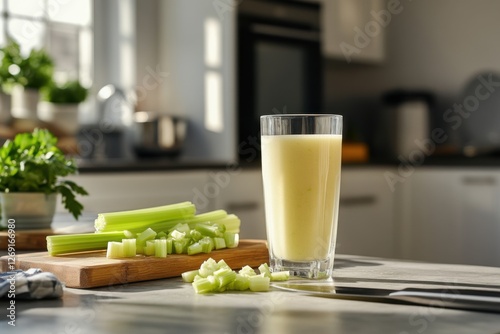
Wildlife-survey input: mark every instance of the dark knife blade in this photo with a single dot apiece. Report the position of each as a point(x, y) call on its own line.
point(447, 297)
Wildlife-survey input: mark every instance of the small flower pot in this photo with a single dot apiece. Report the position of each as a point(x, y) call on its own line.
point(63, 116)
point(27, 210)
point(25, 103)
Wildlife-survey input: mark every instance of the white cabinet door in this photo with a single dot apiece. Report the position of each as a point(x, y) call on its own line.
point(244, 196)
point(128, 191)
point(454, 216)
point(353, 30)
point(366, 214)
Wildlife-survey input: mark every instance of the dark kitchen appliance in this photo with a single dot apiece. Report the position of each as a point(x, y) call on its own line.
point(279, 65)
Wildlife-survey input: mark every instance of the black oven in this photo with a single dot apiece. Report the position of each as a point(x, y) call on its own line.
point(279, 65)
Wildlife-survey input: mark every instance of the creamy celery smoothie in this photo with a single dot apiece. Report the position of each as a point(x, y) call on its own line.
point(301, 175)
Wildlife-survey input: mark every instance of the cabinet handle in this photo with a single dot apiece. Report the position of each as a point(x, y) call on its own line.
point(243, 206)
point(479, 180)
point(358, 200)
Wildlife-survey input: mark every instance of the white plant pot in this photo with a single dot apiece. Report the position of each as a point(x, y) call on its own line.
point(5, 107)
point(25, 103)
point(62, 116)
point(27, 210)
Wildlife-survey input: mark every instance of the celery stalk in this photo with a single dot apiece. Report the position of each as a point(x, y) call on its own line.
point(168, 225)
point(72, 243)
point(142, 218)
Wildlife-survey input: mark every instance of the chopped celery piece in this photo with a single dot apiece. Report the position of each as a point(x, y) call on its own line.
point(147, 235)
point(225, 276)
point(195, 235)
point(142, 218)
point(161, 234)
point(220, 243)
point(264, 270)
point(209, 230)
point(177, 235)
point(207, 244)
point(170, 245)
point(208, 267)
point(115, 250)
point(149, 248)
point(195, 248)
point(71, 243)
point(218, 277)
point(129, 247)
point(280, 276)
point(232, 239)
point(203, 285)
point(180, 246)
point(240, 283)
point(181, 227)
point(247, 271)
point(161, 247)
point(258, 283)
point(222, 264)
point(128, 234)
point(189, 276)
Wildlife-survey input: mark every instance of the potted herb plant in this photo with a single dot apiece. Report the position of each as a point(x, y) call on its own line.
point(59, 105)
point(27, 74)
point(32, 176)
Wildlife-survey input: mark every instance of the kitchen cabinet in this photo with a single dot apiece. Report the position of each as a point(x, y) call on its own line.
point(366, 214)
point(453, 216)
point(353, 30)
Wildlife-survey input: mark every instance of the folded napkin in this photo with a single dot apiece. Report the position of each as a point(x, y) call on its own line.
point(30, 284)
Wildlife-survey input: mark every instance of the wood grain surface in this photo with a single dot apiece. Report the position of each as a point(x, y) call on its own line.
point(93, 269)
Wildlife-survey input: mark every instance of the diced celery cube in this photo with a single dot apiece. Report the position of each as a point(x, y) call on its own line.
point(259, 283)
point(161, 247)
point(247, 271)
point(219, 243)
point(232, 239)
point(129, 247)
point(189, 276)
point(280, 276)
point(195, 248)
point(264, 270)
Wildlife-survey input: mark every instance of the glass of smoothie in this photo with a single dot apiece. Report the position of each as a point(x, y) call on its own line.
point(301, 158)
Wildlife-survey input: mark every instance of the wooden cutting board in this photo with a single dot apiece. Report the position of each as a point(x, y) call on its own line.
point(93, 269)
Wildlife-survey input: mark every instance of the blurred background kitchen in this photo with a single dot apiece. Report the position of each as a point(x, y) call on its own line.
point(171, 92)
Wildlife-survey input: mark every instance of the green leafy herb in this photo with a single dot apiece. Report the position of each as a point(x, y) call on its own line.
point(69, 92)
point(33, 163)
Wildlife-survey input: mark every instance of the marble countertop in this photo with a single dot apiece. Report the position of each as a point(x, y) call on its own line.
point(171, 306)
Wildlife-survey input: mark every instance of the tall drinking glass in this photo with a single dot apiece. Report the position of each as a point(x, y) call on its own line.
point(301, 158)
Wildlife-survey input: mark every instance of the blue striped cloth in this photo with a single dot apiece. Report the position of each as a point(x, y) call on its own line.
point(30, 284)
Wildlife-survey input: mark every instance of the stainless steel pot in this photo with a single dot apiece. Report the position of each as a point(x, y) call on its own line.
point(157, 135)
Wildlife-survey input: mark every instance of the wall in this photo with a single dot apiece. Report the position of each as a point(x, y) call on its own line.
point(434, 45)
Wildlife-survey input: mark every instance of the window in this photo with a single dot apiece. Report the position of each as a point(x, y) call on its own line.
point(62, 27)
